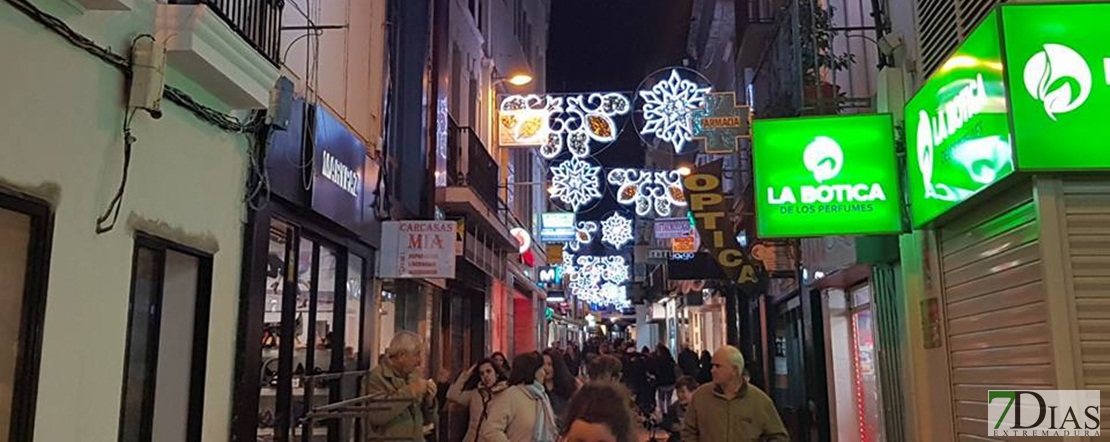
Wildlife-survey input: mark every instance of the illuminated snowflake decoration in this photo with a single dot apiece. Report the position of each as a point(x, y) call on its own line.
point(614, 295)
point(668, 109)
point(616, 230)
point(569, 269)
point(577, 120)
point(575, 182)
point(600, 280)
point(583, 234)
point(648, 190)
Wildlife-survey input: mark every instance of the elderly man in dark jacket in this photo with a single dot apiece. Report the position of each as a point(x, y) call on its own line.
point(729, 408)
point(406, 402)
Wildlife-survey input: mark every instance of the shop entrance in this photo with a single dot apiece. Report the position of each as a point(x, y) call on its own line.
point(797, 350)
point(312, 324)
point(788, 361)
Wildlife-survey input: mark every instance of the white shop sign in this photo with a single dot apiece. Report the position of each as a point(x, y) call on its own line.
point(417, 249)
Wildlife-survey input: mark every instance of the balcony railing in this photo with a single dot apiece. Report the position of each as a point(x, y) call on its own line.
point(257, 21)
point(470, 164)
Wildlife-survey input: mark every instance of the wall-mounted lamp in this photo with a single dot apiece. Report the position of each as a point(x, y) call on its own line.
point(519, 79)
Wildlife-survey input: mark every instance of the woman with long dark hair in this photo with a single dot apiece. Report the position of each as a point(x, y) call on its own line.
point(706, 373)
point(522, 413)
point(476, 388)
point(600, 411)
point(559, 383)
point(501, 362)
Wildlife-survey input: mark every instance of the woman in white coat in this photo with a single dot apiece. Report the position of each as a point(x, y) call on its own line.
point(522, 413)
point(476, 388)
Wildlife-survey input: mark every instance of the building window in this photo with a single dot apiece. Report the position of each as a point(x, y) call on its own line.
point(526, 37)
point(25, 231)
point(167, 342)
point(518, 18)
point(476, 12)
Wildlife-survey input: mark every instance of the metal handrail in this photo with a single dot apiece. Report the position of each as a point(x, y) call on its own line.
point(257, 21)
point(355, 409)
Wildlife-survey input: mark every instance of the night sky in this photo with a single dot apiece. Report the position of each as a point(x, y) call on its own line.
point(611, 45)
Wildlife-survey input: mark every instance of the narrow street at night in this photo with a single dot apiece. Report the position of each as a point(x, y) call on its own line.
point(554, 220)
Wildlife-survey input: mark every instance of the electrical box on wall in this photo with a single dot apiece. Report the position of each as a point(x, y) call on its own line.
point(148, 75)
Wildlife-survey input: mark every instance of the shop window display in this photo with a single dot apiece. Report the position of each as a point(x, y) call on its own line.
point(313, 322)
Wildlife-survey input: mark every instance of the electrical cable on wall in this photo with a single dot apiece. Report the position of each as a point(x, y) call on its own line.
point(117, 201)
point(177, 96)
point(255, 128)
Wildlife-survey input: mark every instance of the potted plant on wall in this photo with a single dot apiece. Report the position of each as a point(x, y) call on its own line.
point(819, 60)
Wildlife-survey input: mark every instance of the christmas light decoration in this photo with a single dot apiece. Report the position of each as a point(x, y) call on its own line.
point(569, 270)
point(576, 120)
point(614, 295)
point(648, 190)
point(600, 279)
point(557, 121)
point(524, 120)
point(575, 182)
point(668, 109)
point(583, 234)
point(616, 230)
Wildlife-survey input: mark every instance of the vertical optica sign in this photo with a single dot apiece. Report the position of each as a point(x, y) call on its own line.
point(957, 133)
point(1058, 68)
point(826, 176)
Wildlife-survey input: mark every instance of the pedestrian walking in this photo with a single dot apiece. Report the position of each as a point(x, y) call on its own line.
point(522, 413)
point(475, 389)
point(729, 408)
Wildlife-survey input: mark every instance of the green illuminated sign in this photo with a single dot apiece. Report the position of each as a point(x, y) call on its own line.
point(957, 133)
point(826, 176)
point(1058, 69)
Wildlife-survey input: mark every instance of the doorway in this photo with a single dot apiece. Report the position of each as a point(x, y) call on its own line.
point(313, 323)
point(25, 238)
point(165, 359)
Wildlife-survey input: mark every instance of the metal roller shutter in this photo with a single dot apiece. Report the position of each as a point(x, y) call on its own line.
point(891, 325)
point(1087, 218)
point(944, 24)
point(995, 309)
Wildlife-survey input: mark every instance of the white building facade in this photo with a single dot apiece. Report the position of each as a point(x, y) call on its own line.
point(125, 333)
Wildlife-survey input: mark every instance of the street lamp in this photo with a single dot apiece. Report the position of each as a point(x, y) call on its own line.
point(518, 79)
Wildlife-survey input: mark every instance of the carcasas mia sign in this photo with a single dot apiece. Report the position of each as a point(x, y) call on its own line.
point(710, 210)
point(1041, 413)
point(826, 176)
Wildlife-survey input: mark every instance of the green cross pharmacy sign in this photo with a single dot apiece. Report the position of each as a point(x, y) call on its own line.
point(1027, 91)
point(826, 176)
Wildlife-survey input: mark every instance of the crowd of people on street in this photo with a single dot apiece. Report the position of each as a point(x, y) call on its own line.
point(606, 391)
